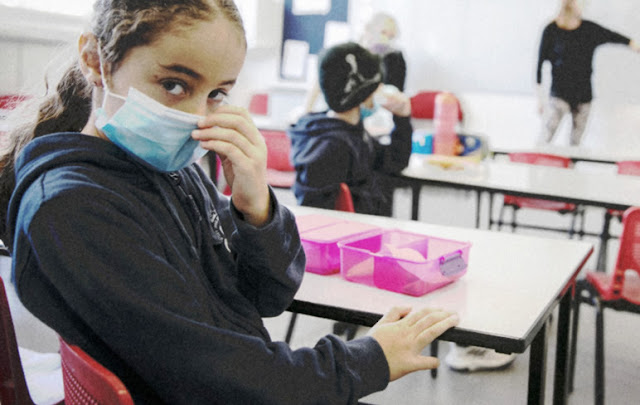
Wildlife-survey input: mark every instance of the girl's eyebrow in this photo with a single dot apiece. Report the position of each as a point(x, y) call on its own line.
point(191, 73)
point(182, 69)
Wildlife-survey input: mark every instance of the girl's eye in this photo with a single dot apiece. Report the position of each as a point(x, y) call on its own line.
point(174, 88)
point(217, 96)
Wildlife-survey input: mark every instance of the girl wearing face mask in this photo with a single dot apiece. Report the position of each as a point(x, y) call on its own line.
point(123, 246)
point(333, 147)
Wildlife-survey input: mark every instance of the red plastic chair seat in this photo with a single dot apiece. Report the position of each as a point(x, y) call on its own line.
point(280, 179)
point(602, 282)
point(524, 202)
point(280, 171)
point(88, 382)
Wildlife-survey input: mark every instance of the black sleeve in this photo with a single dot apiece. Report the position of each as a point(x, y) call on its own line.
point(393, 158)
point(323, 173)
point(116, 284)
point(544, 51)
point(394, 69)
point(606, 36)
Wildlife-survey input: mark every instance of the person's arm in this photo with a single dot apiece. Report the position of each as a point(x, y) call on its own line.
point(394, 157)
point(165, 324)
point(543, 54)
point(323, 168)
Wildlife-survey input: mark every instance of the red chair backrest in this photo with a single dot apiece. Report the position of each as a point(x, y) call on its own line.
point(259, 104)
point(423, 105)
point(631, 167)
point(543, 159)
point(88, 382)
point(13, 387)
point(344, 202)
point(278, 150)
point(629, 251)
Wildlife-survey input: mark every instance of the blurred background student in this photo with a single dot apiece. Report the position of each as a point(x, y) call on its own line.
point(333, 147)
point(379, 37)
point(568, 43)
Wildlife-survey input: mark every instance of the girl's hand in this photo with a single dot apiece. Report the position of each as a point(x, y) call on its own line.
point(403, 334)
point(230, 132)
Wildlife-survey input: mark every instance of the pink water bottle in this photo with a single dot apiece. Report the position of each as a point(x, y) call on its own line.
point(445, 139)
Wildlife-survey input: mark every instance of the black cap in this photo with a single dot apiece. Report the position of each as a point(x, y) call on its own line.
point(348, 74)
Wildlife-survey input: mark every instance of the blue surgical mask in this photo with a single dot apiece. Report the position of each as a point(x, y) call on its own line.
point(152, 132)
point(366, 112)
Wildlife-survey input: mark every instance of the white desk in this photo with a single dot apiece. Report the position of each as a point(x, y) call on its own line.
point(597, 189)
point(512, 285)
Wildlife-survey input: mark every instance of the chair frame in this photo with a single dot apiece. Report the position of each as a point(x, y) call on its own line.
point(13, 385)
point(586, 292)
point(81, 373)
point(513, 202)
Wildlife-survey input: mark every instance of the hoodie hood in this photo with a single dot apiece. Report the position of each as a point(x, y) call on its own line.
point(49, 152)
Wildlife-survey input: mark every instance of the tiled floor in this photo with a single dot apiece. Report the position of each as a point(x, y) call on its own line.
point(508, 386)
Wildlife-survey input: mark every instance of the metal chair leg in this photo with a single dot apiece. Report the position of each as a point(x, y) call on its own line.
point(599, 366)
point(574, 334)
point(292, 324)
point(513, 219)
point(434, 353)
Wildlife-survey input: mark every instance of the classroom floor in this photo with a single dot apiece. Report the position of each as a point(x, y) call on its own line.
point(507, 386)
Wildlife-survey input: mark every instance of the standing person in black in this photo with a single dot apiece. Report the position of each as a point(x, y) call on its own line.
point(569, 43)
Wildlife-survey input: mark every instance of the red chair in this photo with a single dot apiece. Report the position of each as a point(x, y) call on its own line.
point(280, 172)
point(88, 382)
point(517, 203)
point(13, 386)
point(344, 202)
point(259, 104)
point(423, 105)
point(619, 290)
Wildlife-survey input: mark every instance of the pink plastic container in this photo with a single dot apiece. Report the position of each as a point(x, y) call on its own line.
point(403, 262)
point(313, 221)
point(321, 244)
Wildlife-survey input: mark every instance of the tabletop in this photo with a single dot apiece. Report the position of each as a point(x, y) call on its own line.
point(602, 189)
point(512, 282)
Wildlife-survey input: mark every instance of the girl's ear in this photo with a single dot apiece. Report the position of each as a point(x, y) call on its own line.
point(90, 59)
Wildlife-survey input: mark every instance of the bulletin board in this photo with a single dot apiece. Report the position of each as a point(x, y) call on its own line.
point(307, 23)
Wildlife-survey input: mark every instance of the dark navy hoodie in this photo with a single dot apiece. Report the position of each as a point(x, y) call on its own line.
point(157, 277)
point(327, 151)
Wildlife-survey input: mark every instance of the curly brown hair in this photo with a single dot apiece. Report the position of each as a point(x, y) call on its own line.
point(119, 26)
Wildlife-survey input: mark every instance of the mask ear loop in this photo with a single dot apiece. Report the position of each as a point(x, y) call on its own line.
point(106, 92)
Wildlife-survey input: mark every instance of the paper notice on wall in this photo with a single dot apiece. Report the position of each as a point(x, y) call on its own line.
point(294, 59)
point(310, 7)
point(336, 32)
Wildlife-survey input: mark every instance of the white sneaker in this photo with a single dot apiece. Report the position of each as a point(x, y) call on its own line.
point(474, 358)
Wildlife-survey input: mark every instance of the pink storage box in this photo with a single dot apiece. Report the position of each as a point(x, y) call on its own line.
point(313, 221)
point(403, 262)
point(321, 244)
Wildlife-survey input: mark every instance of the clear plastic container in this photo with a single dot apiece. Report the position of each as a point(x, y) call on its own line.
point(403, 262)
point(321, 244)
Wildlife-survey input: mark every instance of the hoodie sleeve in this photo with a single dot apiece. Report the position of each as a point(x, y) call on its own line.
point(270, 260)
point(393, 158)
point(125, 305)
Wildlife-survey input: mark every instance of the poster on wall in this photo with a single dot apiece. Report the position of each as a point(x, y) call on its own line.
point(309, 26)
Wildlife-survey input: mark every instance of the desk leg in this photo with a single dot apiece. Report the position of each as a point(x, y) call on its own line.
point(604, 240)
point(415, 201)
point(478, 196)
point(562, 354)
point(490, 216)
point(537, 367)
